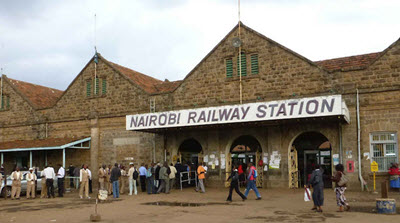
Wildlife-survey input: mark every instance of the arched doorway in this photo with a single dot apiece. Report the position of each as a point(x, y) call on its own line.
point(190, 151)
point(244, 150)
point(311, 148)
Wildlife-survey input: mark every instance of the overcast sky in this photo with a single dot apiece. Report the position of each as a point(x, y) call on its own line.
point(49, 42)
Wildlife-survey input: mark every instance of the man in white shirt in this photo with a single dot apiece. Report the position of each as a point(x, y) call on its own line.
point(30, 187)
point(172, 176)
point(84, 182)
point(50, 176)
point(132, 182)
point(16, 178)
point(60, 180)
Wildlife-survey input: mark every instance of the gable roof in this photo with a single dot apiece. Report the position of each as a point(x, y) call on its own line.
point(38, 96)
point(146, 82)
point(357, 62)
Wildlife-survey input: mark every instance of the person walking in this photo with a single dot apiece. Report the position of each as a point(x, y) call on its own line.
point(50, 177)
point(317, 184)
point(123, 179)
point(143, 173)
point(234, 184)
point(164, 178)
point(150, 179)
point(102, 176)
point(30, 187)
point(16, 178)
point(132, 176)
point(172, 176)
point(60, 180)
point(340, 187)
point(251, 182)
point(201, 175)
point(84, 182)
point(115, 175)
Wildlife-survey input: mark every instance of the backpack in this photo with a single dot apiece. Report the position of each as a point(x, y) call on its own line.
point(254, 172)
point(135, 175)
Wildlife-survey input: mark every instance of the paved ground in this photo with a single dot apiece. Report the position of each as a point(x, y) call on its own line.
point(276, 206)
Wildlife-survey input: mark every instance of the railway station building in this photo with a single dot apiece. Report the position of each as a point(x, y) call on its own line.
point(260, 102)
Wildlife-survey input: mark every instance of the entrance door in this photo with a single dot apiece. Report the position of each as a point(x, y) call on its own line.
point(321, 157)
point(310, 160)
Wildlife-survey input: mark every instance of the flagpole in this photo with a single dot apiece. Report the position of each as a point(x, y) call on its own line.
point(95, 62)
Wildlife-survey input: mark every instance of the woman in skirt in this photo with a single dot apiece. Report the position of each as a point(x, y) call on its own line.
point(340, 189)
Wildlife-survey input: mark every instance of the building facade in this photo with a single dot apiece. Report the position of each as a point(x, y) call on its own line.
point(90, 121)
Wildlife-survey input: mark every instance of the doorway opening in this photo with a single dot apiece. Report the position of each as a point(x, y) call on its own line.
point(244, 150)
point(190, 151)
point(312, 148)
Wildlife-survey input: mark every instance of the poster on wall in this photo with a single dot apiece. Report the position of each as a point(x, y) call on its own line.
point(205, 159)
point(275, 160)
point(335, 158)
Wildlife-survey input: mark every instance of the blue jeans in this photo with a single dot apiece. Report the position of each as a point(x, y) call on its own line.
point(115, 189)
point(251, 184)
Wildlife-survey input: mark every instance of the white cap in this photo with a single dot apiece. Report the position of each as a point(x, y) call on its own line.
point(31, 168)
point(131, 163)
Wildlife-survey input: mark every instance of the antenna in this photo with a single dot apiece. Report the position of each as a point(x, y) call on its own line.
point(95, 57)
point(95, 29)
point(240, 56)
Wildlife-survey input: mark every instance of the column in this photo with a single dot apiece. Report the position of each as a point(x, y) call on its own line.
point(94, 148)
point(30, 159)
point(63, 158)
point(2, 158)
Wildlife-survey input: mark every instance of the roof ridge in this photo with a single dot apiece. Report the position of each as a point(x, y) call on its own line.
point(337, 58)
point(39, 85)
point(135, 71)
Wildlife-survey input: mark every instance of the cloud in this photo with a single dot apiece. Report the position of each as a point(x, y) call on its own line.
point(49, 42)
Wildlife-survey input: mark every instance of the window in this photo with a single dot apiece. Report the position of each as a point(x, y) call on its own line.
point(384, 149)
point(5, 102)
point(243, 64)
point(103, 86)
point(229, 67)
point(88, 88)
point(254, 63)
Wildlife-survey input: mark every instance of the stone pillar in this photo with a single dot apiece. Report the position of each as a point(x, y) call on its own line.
point(94, 149)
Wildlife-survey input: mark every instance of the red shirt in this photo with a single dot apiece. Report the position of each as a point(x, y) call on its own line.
point(240, 170)
point(394, 171)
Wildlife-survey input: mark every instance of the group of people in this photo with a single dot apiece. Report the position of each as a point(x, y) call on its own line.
point(250, 176)
point(47, 182)
point(153, 178)
point(316, 182)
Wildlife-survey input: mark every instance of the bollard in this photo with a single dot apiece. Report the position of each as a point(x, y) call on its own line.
point(384, 189)
point(95, 217)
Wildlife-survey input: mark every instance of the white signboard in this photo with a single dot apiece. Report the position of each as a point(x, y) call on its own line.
point(261, 111)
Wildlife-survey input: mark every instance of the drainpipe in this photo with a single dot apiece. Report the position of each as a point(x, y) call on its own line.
point(359, 143)
point(340, 143)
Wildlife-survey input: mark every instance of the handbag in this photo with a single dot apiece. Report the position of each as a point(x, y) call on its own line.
point(307, 196)
point(343, 180)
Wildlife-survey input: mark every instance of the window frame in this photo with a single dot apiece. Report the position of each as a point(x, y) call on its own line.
point(384, 142)
point(226, 67)
point(251, 63)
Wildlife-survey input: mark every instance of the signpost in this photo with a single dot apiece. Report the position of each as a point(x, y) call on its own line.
point(374, 169)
